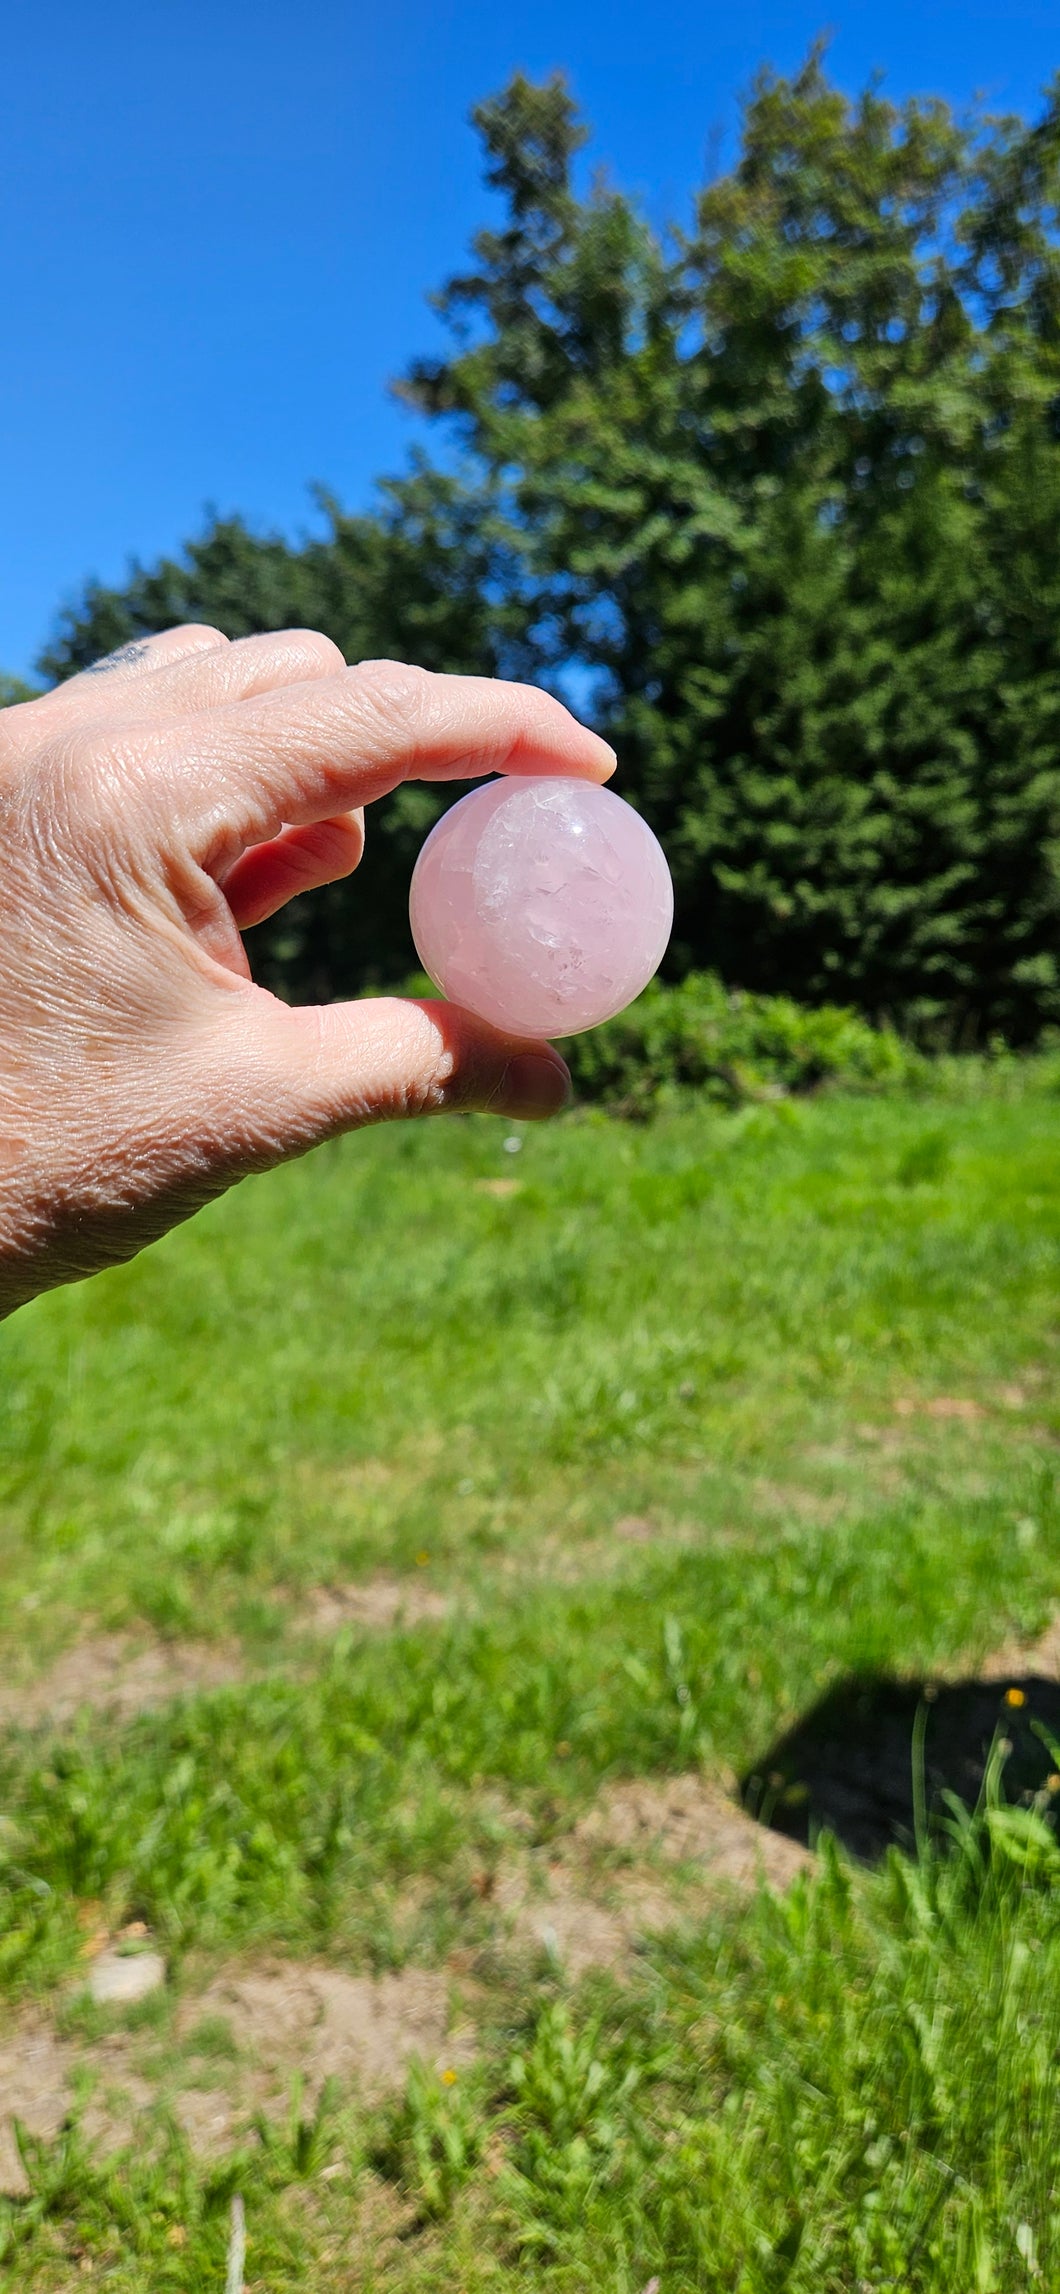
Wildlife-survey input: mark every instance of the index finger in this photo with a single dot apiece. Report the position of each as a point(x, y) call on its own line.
point(306, 752)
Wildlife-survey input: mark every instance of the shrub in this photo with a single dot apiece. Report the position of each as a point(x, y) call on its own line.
point(733, 1046)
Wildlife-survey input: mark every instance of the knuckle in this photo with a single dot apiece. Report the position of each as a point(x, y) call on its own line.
point(312, 645)
point(203, 631)
point(281, 650)
point(393, 694)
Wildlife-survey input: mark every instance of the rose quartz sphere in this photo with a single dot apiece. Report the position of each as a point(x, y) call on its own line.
point(544, 905)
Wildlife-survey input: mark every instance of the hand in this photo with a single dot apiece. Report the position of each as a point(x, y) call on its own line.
point(149, 809)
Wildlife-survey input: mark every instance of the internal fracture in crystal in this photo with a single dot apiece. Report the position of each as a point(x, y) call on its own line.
point(543, 904)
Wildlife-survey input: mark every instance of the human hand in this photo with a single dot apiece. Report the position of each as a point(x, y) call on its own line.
point(149, 809)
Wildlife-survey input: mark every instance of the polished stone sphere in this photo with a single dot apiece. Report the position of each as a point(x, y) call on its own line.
point(542, 904)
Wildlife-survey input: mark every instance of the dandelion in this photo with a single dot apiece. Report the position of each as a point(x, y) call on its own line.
point(1015, 1697)
point(449, 2078)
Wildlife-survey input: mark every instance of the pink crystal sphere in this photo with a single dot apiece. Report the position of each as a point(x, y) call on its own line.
point(542, 904)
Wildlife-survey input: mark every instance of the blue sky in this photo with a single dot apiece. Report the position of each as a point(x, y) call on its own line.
point(220, 222)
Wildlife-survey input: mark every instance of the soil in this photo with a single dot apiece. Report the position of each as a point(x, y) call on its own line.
point(650, 1854)
point(35, 2073)
point(570, 1927)
point(279, 2019)
point(116, 1673)
point(1016, 1657)
point(320, 2023)
point(124, 1674)
point(691, 1820)
point(376, 1602)
point(285, 2021)
point(957, 1406)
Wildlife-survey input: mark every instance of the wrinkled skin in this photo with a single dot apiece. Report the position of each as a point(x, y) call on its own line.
point(150, 809)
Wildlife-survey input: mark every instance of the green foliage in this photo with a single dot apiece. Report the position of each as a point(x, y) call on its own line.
point(732, 1046)
point(785, 487)
point(701, 1325)
point(13, 689)
point(852, 2087)
point(373, 1367)
point(788, 489)
point(299, 2148)
point(411, 583)
point(431, 2141)
point(574, 2095)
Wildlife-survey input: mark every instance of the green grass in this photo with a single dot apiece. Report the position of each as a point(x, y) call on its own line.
point(731, 1327)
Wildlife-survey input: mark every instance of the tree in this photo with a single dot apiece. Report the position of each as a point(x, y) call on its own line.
point(14, 689)
point(789, 486)
point(412, 582)
point(783, 489)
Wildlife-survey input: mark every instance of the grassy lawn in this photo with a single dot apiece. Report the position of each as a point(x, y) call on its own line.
point(652, 1434)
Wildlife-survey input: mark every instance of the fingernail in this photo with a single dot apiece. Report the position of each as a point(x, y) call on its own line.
point(532, 1086)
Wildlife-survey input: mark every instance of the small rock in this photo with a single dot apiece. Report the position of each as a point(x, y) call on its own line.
point(118, 1979)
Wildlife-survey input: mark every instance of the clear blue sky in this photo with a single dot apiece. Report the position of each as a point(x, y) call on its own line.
point(220, 221)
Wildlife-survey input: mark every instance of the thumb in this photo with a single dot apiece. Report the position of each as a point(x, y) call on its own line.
point(307, 1073)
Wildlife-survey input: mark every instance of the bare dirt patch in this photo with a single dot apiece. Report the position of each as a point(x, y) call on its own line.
point(648, 1529)
point(956, 1406)
point(39, 2076)
point(597, 1897)
point(115, 1673)
point(378, 1603)
point(790, 1501)
point(691, 1820)
point(124, 1674)
point(637, 1529)
point(286, 2021)
point(570, 1926)
point(320, 2023)
point(1016, 1657)
point(35, 2070)
point(648, 1856)
point(567, 1557)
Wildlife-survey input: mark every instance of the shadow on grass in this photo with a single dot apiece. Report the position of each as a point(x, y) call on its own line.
point(849, 1766)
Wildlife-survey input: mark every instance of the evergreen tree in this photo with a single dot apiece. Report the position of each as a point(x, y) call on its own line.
point(783, 488)
point(789, 486)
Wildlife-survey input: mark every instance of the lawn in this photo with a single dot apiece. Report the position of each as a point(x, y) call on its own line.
point(496, 1472)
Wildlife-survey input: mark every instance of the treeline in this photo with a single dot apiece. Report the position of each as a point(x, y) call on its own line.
point(777, 495)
